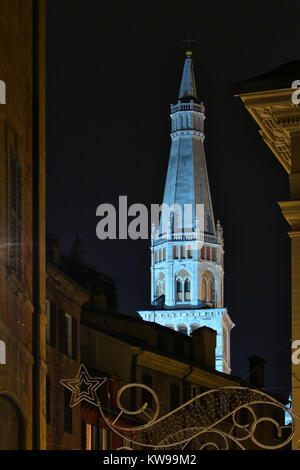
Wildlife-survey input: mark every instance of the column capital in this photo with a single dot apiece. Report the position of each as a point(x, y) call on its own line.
point(291, 212)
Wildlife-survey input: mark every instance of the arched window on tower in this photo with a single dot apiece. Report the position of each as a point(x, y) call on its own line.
point(179, 289)
point(194, 327)
point(187, 289)
point(207, 287)
point(213, 254)
point(175, 252)
point(208, 253)
point(181, 122)
point(185, 122)
point(189, 252)
point(156, 256)
point(182, 252)
point(183, 329)
point(160, 255)
point(203, 252)
point(164, 254)
point(173, 124)
point(209, 290)
point(160, 285)
point(203, 290)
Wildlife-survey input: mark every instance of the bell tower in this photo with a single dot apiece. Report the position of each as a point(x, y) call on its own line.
point(187, 277)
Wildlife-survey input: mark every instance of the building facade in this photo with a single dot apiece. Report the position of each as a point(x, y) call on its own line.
point(187, 250)
point(63, 308)
point(178, 368)
point(125, 350)
point(271, 102)
point(22, 226)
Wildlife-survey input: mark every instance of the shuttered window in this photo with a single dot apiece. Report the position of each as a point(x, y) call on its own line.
point(74, 339)
point(68, 335)
point(62, 332)
point(51, 323)
point(15, 215)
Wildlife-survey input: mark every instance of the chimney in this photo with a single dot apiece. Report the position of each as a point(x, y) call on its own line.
point(204, 346)
point(53, 250)
point(256, 371)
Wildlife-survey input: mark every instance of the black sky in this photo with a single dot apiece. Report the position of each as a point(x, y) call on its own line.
point(112, 71)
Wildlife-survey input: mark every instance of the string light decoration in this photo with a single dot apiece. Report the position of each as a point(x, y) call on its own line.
point(227, 418)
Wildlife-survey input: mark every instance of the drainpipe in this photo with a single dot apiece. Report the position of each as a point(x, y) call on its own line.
point(36, 398)
point(184, 381)
point(133, 377)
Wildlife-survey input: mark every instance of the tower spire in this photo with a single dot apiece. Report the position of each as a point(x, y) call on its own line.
point(188, 85)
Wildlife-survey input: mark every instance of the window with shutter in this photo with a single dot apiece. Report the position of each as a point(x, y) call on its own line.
point(15, 215)
point(62, 331)
point(69, 334)
point(74, 339)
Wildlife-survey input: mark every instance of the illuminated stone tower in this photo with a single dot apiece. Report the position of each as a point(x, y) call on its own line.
point(187, 281)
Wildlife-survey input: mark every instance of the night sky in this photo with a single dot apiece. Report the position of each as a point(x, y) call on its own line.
point(113, 69)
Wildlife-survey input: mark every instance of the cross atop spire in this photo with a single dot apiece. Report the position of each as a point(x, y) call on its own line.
point(188, 86)
point(188, 43)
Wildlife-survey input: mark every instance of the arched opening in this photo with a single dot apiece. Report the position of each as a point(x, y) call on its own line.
point(160, 285)
point(194, 327)
point(207, 287)
point(179, 289)
point(187, 289)
point(183, 286)
point(182, 252)
point(203, 290)
point(11, 425)
point(183, 329)
point(209, 291)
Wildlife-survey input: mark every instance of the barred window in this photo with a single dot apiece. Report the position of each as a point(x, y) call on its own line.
point(15, 215)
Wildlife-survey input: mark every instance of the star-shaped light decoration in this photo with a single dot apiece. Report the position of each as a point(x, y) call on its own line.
point(83, 387)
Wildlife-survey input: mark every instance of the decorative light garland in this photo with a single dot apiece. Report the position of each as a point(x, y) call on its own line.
point(209, 420)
